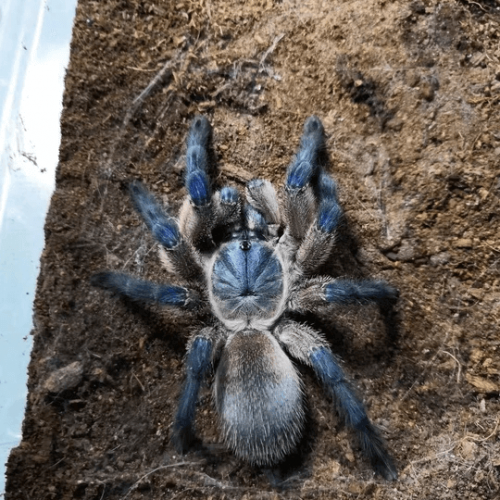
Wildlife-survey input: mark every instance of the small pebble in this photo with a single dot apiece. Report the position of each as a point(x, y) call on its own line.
point(65, 378)
point(463, 243)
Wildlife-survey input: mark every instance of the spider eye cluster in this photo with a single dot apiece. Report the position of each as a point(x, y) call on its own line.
point(245, 245)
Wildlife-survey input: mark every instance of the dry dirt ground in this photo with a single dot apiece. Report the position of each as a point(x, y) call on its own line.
point(409, 93)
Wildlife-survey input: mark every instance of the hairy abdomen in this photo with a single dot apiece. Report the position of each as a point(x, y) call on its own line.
point(258, 397)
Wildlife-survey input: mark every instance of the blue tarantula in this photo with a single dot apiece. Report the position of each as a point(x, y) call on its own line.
point(247, 264)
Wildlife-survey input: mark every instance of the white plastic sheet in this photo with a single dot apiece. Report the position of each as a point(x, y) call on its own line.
point(34, 52)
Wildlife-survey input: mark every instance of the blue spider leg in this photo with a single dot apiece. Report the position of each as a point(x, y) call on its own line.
point(318, 242)
point(197, 215)
point(145, 291)
point(178, 256)
point(300, 202)
point(329, 211)
point(342, 291)
point(352, 410)
point(198, 361)
point(305, 163)
point(196, 177)
point(320, 237)
point(163, 227)
point(323, 291)
point(308, 346)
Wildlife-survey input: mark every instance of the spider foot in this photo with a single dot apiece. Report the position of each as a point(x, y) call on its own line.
point(183, 438)
point(373, 447)
point(163, 227)
point(144, 291)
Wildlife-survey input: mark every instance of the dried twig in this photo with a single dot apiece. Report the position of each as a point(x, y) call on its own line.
point(269, 51)
point(427, 366)
point(458, 363)
point(178, 464)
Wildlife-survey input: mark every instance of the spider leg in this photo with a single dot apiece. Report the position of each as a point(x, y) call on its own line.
point(329, 211)
point(311, 203)
point(145, 291)
point(178, 256)
point(197, 182)
point(352, 410)
point(254, 220)
point(198, 362)
point(324, 291)
point(300, 203)
point(320, 237)
point(261, 195)
point(308, 346)
point(227, 207)
point(344, 291)
point(197, 212)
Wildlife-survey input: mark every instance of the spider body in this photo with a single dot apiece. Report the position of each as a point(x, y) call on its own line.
point(249, 263)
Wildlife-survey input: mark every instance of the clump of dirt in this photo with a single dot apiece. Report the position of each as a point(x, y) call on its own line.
point(409, 93)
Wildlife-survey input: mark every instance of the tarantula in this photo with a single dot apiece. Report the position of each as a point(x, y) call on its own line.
point(247, 264)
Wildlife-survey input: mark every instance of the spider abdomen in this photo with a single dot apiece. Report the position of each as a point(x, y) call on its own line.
point(258, 397)
point(247, 280)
